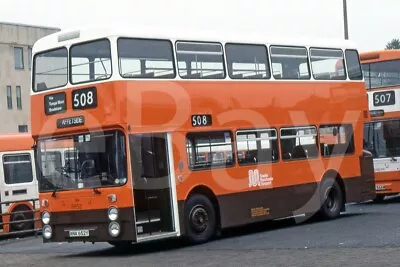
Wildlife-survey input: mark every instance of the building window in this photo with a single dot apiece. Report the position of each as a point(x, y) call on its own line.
point(23, 128)
point(19, 99)
point(30, 57)
point(9, 97)
point(19, 57)
point(17, 169)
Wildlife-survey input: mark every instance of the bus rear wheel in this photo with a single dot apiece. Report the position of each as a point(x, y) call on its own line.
point(331, 198)
point(200, 219)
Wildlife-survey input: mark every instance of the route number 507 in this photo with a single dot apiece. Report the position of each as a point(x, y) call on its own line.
point(384, 98)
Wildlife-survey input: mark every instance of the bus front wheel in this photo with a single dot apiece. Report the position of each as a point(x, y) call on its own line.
point(331, 198)
point(200, 219)
point(21, 213)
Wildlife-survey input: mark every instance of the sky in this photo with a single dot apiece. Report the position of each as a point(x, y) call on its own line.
point(372, 23)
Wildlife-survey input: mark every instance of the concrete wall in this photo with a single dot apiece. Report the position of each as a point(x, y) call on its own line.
point(12, 36)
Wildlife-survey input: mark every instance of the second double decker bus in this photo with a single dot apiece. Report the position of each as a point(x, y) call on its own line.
point(186, 135)
point(382, 135)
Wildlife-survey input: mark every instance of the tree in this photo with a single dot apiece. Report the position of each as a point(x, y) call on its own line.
point(393, 44)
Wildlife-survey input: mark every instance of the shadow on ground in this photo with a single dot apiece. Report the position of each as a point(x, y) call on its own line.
point(175, 244)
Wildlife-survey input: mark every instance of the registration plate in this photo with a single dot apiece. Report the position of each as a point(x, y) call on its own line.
point(380, 187)
point(78, 233)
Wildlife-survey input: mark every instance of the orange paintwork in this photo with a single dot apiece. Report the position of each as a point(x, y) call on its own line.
point(167, 106)
point(379, 55)
point(15, 142)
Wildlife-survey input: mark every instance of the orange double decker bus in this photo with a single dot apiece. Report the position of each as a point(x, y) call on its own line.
point(185, 136)
point(382, 134)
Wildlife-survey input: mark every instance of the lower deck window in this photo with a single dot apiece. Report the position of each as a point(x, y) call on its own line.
point(299, 143)
point(257, 146)
point(209, 149)
point(336, 139)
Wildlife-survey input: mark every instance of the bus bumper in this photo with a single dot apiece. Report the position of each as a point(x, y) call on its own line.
point(90, 226)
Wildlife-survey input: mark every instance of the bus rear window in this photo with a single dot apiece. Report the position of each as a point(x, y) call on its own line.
point(90, 61)
point(145, 58)
point(50, 69)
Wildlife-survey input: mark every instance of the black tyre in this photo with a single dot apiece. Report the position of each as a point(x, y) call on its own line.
point(379, 198)
point(17, 216)
point(332, 199)
point(200, 219)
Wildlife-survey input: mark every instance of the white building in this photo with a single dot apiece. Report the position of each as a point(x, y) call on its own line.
point(16, 41)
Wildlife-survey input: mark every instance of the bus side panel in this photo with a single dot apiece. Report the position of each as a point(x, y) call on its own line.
point(362, 188)
point(252, 206)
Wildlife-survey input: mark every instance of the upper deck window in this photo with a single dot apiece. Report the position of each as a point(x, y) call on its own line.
point(198, 60)
point(145, 58)
point(90, 61)
point(327, 64)
point(290, 63)
point(382, 74)
point(247, 61)
point(50, 69)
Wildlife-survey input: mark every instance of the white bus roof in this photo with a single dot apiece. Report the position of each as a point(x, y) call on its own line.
point(86, 34)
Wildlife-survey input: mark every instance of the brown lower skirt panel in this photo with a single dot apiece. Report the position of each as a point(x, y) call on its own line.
point(253, 206)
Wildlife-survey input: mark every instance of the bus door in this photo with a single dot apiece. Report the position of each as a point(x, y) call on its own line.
point(18, 183)
point(154, 188)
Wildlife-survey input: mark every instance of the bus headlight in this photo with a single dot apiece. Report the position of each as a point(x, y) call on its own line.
point(47, 232)
point(114, 229)
point(113, 213)
point(45, 217)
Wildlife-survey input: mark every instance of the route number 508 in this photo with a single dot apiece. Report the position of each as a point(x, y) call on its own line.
point(84, 98)
point(201, 120)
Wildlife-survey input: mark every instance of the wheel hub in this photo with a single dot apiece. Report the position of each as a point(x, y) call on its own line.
point(199, 219)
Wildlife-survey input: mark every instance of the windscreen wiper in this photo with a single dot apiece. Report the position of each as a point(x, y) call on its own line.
point(55, 191)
